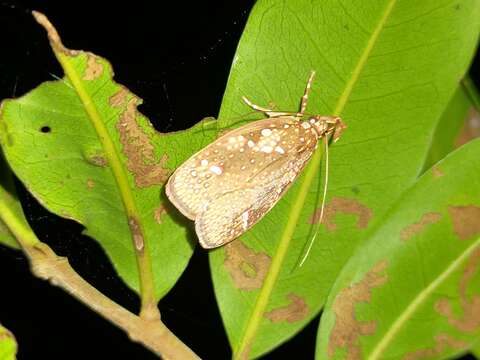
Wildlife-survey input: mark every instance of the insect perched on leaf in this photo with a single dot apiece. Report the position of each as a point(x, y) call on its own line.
point(229, 185)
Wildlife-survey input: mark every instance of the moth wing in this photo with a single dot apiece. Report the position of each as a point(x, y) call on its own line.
point(229, 162)
point(234, 212)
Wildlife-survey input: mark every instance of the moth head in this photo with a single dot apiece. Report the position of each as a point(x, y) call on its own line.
point(326, 125)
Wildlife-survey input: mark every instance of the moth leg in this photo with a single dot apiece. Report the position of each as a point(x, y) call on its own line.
point(268, 112)
point(304, 101)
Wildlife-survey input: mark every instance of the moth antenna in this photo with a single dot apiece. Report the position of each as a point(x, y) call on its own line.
point(256, 107)
point(303, 105)
point(322, 208)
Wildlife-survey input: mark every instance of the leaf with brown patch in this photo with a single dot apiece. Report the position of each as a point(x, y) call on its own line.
point(430, 305)
point(469, 321)
point(295, 311)
point(417, 227)
point(103, 165)
point(442, 341)
point(94, 68)
point(246, 267)
point(465, 220)
point(348, 329)
point(345, 206)
point(139, 150)
point(391, 117)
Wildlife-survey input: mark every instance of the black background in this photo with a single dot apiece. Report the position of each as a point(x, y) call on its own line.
point(177, 59)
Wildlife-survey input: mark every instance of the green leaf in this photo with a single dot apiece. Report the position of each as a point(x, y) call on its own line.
point(412, 290)
point(9, 205)
point(476, 349)
point(85, 152)
point(388, 68)
point(453, 124)
point(8, 345)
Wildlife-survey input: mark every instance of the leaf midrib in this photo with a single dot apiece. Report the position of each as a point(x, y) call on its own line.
point(312, 168)
point(119, 173)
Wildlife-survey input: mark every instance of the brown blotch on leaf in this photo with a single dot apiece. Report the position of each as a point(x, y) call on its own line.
point(119, 98)
point(158, 212)
point(437, 172)
point(346, 206)
point(90, 184)
point(246, 267)
point(415, 228)
point(53, 37)
point(470, 320)
point(94, 68)
point(97, 160)
point(465, 220)
point(470, 129)
point(347, 329)
point(136, 233)
point(139, 151)
point(442, 343)
point(295, 311)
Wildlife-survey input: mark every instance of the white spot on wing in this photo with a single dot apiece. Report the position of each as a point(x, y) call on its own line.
point(204, 162)
point(280, 150)
point(266, 149)
point(266, 132)
point(216, 170)
point(245, 220)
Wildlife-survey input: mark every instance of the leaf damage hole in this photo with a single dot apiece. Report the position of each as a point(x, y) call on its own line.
point(46, 129)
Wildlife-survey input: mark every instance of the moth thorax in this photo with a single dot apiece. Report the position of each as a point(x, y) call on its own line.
point(322, 124)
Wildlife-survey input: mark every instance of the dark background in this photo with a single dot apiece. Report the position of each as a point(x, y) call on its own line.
point(177, 59)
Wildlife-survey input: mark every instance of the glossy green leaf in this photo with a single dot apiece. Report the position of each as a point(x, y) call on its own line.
point(476, 350)
point(8, 345)
point(450, 126)
point(9, 205)
point(388, 68)
point(85, 152)
point(412, 290)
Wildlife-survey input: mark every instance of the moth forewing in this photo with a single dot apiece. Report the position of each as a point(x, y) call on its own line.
point(232, 160)
point(232, 213)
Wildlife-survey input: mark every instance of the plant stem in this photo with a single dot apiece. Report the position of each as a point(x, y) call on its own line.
point(153, 334)
point(46, 265)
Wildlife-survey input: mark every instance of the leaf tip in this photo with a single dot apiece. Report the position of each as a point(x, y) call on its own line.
point(54, 38)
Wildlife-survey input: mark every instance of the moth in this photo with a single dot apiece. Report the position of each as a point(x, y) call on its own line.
point(229, 185)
